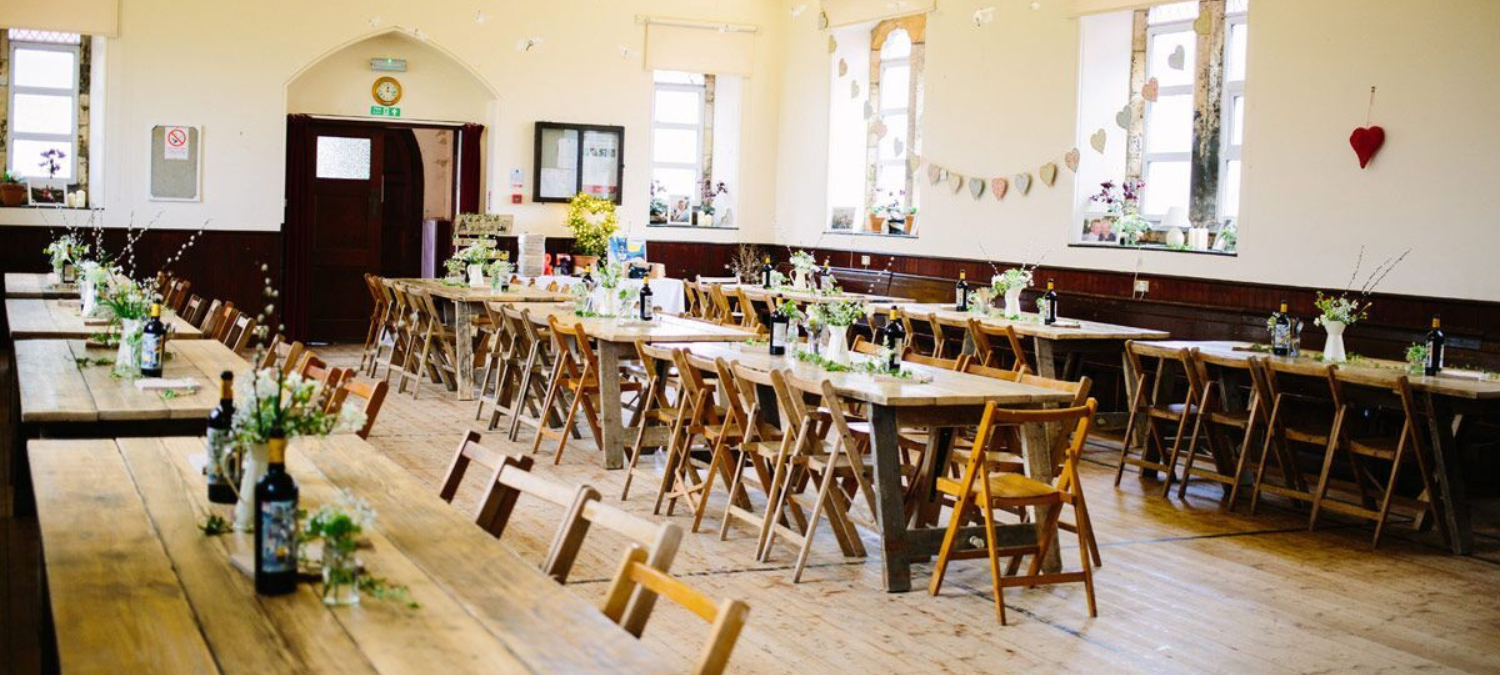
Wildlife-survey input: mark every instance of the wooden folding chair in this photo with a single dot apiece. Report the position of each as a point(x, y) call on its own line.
point(372, 392)
point(809, 461)
point(177, 295)
point(193, 311)
point(538, 364)
point(379, 316)
point(328, 377)
point(750, 311)
point(740, 432)
point(760, 450)
point(1233, 399)
point(842, 462)
point(576, 373)
point(1150, 405)
point(401, 329)
point(213, 317)
point(239, 331)
point(933, 328)
point(281, 354)
point(1301, 413)
point(726, 618)
point(700, 417)
point(1364, 443)
point(499, 373)
point(997, 346)
point(982, 489)
point(433, 350)
point(658, 412)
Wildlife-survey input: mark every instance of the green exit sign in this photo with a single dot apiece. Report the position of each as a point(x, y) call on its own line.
point(385, 111)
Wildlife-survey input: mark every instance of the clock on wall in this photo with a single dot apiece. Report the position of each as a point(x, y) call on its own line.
point(387, 91)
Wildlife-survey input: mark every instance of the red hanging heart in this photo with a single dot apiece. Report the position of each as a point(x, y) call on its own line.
point(1366, 141)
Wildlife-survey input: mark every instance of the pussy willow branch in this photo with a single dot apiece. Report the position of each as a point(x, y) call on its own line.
point(1358, 261)
point(1380, 272)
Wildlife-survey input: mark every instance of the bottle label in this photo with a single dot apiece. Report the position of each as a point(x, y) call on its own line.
point(278, 541)
point(153, 351)
point(218, 445)
point(960, 296)
point(1434, 359)
point(1281, 336)
point(778, 334)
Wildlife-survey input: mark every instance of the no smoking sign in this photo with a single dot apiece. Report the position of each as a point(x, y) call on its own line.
point(176, 143)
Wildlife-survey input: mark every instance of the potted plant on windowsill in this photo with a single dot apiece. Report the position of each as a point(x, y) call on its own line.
point(12, 190)
point(592, 221)
point(659, 207)
point(711, 191)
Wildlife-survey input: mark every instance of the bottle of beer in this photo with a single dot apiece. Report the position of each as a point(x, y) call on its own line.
point(895, 339)
point(1436, 341)
point(220, 421)
point(1050, 298)
point(961, 291)
point(780, 322)
point(276, 524)
point(1281, 332)
point(154, 344)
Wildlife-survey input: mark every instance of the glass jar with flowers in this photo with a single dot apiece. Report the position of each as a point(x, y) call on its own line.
point(338, 527)
point(1009, 284)
point(287, 401)
point(608, 276)
point(499, 272)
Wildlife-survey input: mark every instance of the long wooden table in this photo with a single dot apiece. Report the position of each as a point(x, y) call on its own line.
point(1446, 397)
point(1048, 342)
point(467, 304)
point(62, 319)
point(948, 400)
point(46, 285)
point(808, 296)
point(616, 343)
point(57, 393)
point(136, 587)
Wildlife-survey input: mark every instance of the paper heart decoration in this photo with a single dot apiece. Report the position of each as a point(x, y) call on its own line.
point(833, 45)
point(1048, 172)
point(1149, 90)
point(998, 187)
point(1071, 159)
point(822, 20)
point(934, 173)
point(1204, 24)
point(1174, 60)
point(1366, 141)
point(1097, 141)
point(869, 110)
point(1124, 117)
point(912, 164)
point(1023, 182)
point(896, 145)
point(843, 67)
point(853, 88)
point(955, 182)
point(976, 187)
point(879, 129)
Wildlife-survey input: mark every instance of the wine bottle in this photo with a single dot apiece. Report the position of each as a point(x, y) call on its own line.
point(276, 524)
point(646, 300)
point(961, 291)
point(154, 344)
point(1049, 302)
point(779, 324)
point(765, 273)
point(69, 272)
point(220, 420)
point(588, 279)
point(827, 276)
point(1281, 332)
point(895, 339)
point(1436, 341)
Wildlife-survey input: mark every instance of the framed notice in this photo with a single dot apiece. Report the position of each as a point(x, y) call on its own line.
point(174, 168)
point(574, 158)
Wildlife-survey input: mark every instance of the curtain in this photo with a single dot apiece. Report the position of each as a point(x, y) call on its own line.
point(297, 220)
point(470, 163)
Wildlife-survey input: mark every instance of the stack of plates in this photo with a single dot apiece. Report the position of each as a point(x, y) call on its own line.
point(533, 254)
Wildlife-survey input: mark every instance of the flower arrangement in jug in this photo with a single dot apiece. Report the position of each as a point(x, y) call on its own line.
point(1009, 284)
point(65, 249)
point(803, 266)
point(1338, 312)
point(839, 313)
point(273, 399)
point(472, 258)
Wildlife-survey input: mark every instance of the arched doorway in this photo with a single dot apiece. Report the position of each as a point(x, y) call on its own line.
point(363, 188)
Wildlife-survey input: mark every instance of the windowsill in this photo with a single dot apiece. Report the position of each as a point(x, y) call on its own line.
point(47, 207)
point(862, 233)
point(1152, 247)
point(685, 226)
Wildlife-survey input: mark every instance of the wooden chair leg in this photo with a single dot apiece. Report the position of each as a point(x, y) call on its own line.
point(1328, 452)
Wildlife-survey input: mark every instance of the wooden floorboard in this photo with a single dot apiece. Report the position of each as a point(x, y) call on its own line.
point(1187, 587)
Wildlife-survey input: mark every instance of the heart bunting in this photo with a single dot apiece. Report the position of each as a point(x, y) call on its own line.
point(1149, 91)
point(955, 182)
point(1125, 116)
point(998, 186)
point(1071, 159)
point(1023, 182)
point(1048, 172)
point(1097, 141)
point(934, 173)
point(1174, 60)
point(976, 187)
point(1204, 24)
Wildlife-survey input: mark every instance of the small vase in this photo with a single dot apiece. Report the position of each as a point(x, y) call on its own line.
point(89, 294)
point(799, 279)
point(838, 344)
point(1333, 350)
point(606, 303)
point(340, 576)
point(128, 356)
point(1176, 238)
point(705, 220)
point(476, 276)
point(252, 467)
point(1013, 301)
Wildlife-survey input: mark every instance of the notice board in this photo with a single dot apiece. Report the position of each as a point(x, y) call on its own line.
point(176, 157)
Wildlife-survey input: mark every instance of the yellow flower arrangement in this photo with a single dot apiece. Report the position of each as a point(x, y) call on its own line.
point(592, 221)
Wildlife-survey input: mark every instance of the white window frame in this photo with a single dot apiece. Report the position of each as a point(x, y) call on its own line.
point(695, 197)
point(881, 162)
point(1147, 157)
point(71, 138)
point(1229, 151)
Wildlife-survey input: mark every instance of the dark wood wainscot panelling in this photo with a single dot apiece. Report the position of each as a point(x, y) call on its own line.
point(222, 264)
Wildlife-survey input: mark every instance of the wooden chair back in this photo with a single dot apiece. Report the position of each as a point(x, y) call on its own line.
point(991, 343)
point(372, 392)
point(238, 332)
point(211, 318)
point(281, 354)
point(176, 295)
point(912, 356)
point(726, 619)
point(192, 312)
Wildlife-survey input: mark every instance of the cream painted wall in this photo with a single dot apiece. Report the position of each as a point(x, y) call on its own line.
point(226, 66)
point(1002, 98)
point(434, 87)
